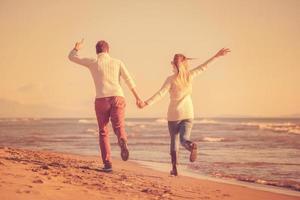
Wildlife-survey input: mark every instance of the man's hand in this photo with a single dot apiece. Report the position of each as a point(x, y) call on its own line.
point(141, 104)
point(222, 52)
point(79, 45)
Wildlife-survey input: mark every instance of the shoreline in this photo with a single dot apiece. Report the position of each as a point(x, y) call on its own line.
point(184, 171)
point(32, 174)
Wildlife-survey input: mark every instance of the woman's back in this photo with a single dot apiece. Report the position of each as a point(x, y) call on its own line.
point(180, 106)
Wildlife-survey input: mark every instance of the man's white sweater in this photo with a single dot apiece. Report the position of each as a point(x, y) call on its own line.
point(106, 72)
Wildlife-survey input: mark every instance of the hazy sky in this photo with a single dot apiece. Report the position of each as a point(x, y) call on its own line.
point(261, 77)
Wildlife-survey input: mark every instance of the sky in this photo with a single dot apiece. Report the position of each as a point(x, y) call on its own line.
point(260, 77)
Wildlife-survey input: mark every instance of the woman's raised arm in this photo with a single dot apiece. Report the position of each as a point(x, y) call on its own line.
point(197, 70)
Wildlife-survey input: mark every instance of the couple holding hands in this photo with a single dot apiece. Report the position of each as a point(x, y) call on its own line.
point(110, 103)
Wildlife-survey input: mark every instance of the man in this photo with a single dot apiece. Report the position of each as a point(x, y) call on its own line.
point(109, 103)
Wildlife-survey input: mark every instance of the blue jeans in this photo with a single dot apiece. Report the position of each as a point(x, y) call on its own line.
point(180, 130)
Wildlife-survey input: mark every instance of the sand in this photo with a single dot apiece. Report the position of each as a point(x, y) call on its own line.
point(26, 174)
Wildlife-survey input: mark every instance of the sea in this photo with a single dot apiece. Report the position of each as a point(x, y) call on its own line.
point(263, 151)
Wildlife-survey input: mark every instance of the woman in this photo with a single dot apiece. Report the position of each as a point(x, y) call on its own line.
point(180, 112)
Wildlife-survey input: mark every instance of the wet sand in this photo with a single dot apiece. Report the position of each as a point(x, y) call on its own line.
point(26, 174)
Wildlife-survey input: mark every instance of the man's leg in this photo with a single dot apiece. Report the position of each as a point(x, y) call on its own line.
point(118, 123)
point(102, 108)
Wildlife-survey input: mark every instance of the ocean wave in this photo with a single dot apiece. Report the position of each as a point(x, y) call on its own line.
point(23, 119)
point(87, 121)
point(207, 121)
point(285, 127)
point(149, 144)
point(258, 179)
point(136, 124)
point(91, 130)
point(145, 145)
point(130, 124)
point(143, 124)
point(157, 123)
point(252, 164)
point(213, 139)
point(161, 120)
point(294, 185)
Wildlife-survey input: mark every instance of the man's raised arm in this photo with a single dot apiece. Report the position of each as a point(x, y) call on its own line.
point(73, 55)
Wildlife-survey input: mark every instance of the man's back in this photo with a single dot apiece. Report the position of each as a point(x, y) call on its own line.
point(106, 72)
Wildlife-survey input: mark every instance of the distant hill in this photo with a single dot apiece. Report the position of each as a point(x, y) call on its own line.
point(292, 116)
point(256, 116)
point(236, 116)
point(10, 108)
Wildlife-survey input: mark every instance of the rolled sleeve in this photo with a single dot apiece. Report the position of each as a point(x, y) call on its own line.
point(126, 76)
point(198, 70)
point(73, 56)
point(161, 92)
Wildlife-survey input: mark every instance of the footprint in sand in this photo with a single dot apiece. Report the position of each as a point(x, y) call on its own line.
point(226, 195)
point(21, 191)
point(19, 176)
point(46, 167)
point(44, 173)
point(35, 169)
point(58, 187)
point(38, 181)
point(205, 197)
point(68, 181)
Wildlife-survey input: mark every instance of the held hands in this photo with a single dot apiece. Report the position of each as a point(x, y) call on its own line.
point(222, 52)
point(79, 45)
point(140, 103)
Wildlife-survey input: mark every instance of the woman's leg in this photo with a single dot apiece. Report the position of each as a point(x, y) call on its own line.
point(174, 130)
point(185, 128)
point(174, 145)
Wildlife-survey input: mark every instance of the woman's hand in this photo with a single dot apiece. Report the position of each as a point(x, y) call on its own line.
point(222, 52)
point(141, 104)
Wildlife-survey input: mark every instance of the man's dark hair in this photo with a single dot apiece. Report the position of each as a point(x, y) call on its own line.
point(102, 46)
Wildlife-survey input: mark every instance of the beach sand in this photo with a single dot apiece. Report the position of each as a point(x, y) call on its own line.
point(26, 174)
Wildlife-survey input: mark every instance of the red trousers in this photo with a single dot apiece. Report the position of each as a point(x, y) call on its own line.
point(112, 108)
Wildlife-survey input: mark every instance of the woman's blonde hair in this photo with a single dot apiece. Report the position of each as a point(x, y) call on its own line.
point(182, 79)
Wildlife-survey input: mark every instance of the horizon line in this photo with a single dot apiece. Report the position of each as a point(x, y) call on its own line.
point(201, 117)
